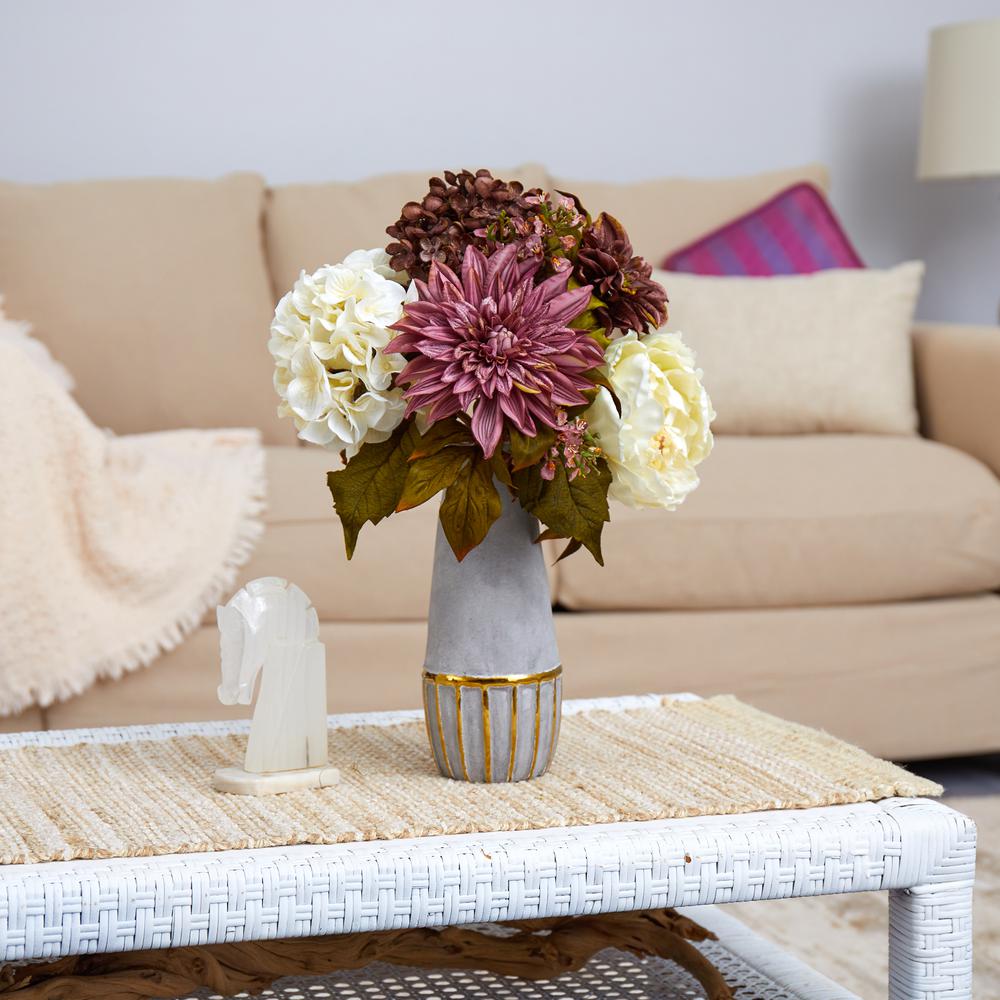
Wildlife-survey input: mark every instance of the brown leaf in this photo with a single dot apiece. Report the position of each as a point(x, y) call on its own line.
point(470, 506)
point(450, 431)
point(525, 451)
point(574, 509)
point(574, 546)
point(500, 470)
point(370, 485)
point(428, 475)
point(549, 535)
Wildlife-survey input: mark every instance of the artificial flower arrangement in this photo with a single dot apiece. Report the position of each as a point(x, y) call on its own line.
point(504, 339)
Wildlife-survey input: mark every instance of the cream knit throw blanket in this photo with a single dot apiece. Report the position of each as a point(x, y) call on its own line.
point(112, 548)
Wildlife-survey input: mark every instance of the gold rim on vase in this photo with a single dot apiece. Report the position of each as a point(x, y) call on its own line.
point(500, 721)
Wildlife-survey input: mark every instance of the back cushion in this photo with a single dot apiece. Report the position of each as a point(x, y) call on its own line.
point(309, 225)
point(153, 293)
point(664, 215)
point(803, 353)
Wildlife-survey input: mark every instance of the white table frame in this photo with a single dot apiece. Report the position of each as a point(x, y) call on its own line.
point(920, 851)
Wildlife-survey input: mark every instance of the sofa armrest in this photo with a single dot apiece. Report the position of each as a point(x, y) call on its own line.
point(958, 387)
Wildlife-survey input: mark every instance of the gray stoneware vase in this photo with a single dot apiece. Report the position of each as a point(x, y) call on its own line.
point(492, 686)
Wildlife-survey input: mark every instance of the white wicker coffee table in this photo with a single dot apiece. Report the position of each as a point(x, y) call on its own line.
point(918, 850)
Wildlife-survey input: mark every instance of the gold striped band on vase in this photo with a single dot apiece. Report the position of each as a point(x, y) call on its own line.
point(494, 730)
point(502, 680)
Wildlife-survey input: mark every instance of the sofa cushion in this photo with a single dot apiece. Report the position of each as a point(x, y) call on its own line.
point(805, 353)
point(309, 225)
point(389, 577)
point(154, 293)
point(665, 214)
point(804, 664)
point(30, 720)
point(798, 521)
point(390, 574)
point(903, 680)
point(368, 667)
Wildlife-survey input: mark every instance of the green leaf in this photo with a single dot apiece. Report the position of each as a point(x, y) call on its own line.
point(574, 509)
point(525, 451)
point(470, 506)
point(598, 377)
point(370, 485)
point(428, 476)
point(588, 320)
point(442, 434)
point(596, 332)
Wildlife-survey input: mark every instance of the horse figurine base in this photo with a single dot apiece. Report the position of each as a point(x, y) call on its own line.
point(236, 781)
point(270, 629)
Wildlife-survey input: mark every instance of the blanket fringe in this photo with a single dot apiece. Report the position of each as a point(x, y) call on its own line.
point(142, 653)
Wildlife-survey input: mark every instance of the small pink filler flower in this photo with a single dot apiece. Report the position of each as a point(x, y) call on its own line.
point(496, 342)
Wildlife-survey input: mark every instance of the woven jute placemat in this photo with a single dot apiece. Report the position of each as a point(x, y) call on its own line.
point(680, 758)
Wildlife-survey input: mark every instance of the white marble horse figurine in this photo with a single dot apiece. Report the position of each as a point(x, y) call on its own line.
point(270, 628)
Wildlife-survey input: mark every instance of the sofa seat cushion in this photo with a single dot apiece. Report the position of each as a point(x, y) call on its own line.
point(870, 674)
point(803, 664)
point(800, 521)
point(368, 667)
point(389, 577)
point(153, 293)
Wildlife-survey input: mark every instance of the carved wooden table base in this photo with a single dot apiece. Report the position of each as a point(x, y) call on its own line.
point(535, 949)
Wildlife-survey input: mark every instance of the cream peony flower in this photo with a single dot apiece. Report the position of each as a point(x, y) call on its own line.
point(663, 430)
point(327, 341)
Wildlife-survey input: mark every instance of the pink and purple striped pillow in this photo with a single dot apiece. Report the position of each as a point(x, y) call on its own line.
point(795, 232)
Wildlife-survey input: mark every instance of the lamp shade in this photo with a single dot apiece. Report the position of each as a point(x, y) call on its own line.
point(960, 133)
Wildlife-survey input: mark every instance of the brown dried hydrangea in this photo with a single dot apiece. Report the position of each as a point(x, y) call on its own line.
point(445, 221)
point(621, 280)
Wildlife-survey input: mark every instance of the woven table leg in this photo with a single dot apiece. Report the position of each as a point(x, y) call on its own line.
point(930, 942)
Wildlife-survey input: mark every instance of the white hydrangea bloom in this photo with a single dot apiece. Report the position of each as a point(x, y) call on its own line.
point(663, 430)
point(327, 340)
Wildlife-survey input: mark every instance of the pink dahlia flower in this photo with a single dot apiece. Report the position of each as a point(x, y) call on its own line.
point(496, 342)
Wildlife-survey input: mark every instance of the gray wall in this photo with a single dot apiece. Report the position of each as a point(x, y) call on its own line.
point(314, 89)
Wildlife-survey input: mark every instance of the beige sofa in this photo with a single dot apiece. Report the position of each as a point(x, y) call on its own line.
point(857, 591)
